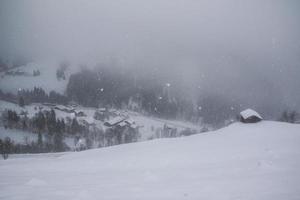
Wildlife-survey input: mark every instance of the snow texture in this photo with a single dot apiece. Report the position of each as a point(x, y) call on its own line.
point(239, 162)
point(46, 80)
point(250, 113)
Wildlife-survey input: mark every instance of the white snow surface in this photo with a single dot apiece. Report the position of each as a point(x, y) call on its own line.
point(249, 113)
point(239, 162)
point(46, 80)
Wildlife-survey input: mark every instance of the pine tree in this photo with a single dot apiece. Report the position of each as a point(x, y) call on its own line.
point(75, 127)
point(40, 142)
point(51, 121)
point(21, 102)
point(63, 126)
point(2, 147)
point(40, 121)
point(5, 148)
point(58, 137)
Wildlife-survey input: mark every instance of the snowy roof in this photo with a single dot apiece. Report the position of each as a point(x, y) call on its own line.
point(130, 121)
point(114, 121)
point(250, 113)
point(62, 107)
point(122, 124)
point(101, 109)
point(169, 126)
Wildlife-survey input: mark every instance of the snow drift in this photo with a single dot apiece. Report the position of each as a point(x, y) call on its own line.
point(242, 161)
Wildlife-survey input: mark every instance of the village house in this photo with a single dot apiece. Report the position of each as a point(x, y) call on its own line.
point(250, 116)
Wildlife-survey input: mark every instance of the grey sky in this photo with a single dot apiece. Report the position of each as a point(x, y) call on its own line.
point(246, 49)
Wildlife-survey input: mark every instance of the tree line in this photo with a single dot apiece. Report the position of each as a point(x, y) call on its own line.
point(118, 88)
point(42, 123)
point(51, 132)
point(36, 95)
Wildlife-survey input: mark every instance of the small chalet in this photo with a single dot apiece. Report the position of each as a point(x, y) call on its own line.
point(250, 116)
point(115, 121)
point(64, 109)
point(121, 122)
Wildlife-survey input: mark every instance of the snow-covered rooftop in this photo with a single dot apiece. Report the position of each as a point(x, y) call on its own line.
point(114, 121)
point(250, 113)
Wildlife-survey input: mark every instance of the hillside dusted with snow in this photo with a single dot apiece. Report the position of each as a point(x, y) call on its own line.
point(26, 80)
point(149, 100)
point(147, 127)
point(242, 161)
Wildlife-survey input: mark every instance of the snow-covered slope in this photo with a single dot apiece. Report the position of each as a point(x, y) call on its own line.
point(148, 125)
point(25, 137)
point(242, 161)
point(46, 80)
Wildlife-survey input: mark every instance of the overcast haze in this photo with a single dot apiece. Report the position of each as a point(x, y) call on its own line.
point(243, 49)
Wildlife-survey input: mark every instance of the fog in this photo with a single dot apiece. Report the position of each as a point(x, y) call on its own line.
point(246, 50)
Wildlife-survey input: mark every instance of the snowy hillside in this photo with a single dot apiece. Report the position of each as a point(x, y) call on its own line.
point(148, 126)
point(242, 161)
point(25, 137)
point(46, 80)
